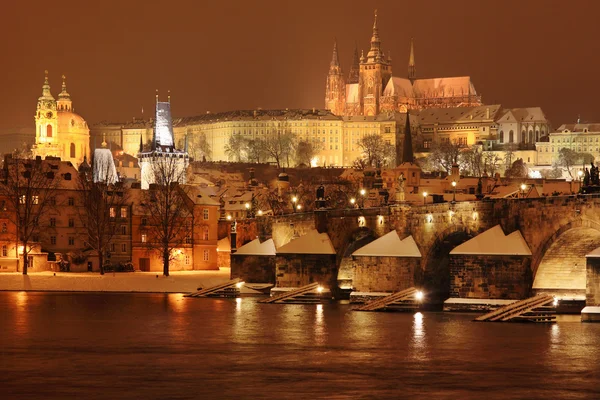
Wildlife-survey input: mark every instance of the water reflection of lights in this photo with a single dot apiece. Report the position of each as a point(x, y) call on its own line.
point(319, 325)
point(418, 343)
point(238, 304)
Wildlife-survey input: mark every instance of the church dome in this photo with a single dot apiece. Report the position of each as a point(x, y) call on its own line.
point(68, 121)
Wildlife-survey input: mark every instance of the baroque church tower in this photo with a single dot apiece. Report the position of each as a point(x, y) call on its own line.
point(59, 132)
point(335, 92)
point(46, 121)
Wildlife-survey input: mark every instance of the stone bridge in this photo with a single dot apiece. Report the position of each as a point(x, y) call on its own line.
point(559, 231)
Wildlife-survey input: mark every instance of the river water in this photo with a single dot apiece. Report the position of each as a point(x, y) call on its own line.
point(156, 346)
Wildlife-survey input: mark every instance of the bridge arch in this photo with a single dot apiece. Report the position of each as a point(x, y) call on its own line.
point(559, 265)
point(355, 240)
point(436, 261)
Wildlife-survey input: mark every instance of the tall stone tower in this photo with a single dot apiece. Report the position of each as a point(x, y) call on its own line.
point(335, 92)
point(46, 123)
point(375, 72)
point(353, 75)
point(163, 157)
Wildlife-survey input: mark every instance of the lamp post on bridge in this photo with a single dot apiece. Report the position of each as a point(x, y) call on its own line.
point(453, 192)
point(580, 175)
point(424, 198)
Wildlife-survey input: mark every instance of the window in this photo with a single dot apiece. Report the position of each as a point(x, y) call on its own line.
point(112, 247)
point(511, 137)
point(71, 222)
point(52, 239)
point(71, 241)
point(71, 201)
point(144, 221)
point(187, 259)
point(205, 233)
point(22, 199)
point(112, 212)
point(144, 238)
point(35, 199)
point(123, 212)
point(4, 251)
point(188, 239)
point(52, 221)
point(205, 255)
point(501, 136)
point(124, 247)
point(4, 227)
point(72, 150)
point(205, 213)
point(123, 230)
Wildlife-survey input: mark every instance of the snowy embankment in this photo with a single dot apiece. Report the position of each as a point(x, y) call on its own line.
point(145, 282)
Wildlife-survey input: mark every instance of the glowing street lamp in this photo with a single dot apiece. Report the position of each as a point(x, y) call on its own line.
point(247, 205)
point(419, 296)
point(523, 187)
point(228, 217)
point(260, 212)
point(453, 191)
point(294, 201)
point(363, 192)
point(424, 198)
point(353, 201)
point(580, 175)
point(299, 207)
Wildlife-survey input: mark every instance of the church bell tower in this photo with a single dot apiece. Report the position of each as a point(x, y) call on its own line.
point(46, 121)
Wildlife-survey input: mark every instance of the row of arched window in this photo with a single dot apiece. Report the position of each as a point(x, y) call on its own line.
point(511, 137)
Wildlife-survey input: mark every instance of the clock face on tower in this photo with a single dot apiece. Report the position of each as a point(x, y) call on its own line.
point(49, 114)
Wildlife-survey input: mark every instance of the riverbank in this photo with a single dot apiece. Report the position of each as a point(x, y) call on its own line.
point(139, 282)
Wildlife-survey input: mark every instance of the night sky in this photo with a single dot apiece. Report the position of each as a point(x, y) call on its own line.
point(229, 55)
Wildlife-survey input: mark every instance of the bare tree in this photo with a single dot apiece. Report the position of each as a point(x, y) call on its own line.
point(235, 147)
point(472, 161)
point(167, 209)
point(374, 149)
point(101, 205)
point(29, 187)
point(491, 162)
point(201, 147)
point(306, 151)
point(444, 156)
point(280, 145)
point(255, 148)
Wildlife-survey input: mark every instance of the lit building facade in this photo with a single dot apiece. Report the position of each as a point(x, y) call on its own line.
point(59, 131)
point(582, 138)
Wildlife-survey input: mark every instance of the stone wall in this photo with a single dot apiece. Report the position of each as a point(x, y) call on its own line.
point(385, 274)
point(296, 270)
point(490, 277)
point(253, 269)
point(592, 294)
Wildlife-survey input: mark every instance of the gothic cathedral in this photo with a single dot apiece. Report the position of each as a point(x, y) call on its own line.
point(372, 89)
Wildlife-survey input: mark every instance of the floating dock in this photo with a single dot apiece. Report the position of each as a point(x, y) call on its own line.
point(539, 309)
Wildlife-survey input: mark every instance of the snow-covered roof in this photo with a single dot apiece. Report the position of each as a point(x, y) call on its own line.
point(399, 87)
point(311, 243)
point(444, 87)
point(224, 245)
point(390, 245)
point(594, 254)
point(256, 248)
point(495, 242)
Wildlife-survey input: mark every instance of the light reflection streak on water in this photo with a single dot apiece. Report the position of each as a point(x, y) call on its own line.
point(320, 329)
point(418, 344)
point(22, 313)
point(238, 305)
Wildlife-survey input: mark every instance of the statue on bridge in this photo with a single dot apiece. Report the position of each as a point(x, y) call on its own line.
point(594, 174)
point(400, 193)
point(586, 177)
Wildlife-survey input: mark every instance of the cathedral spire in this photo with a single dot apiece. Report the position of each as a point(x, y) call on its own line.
point(375, 51)
point(353, 75)
point(335, 60)
point(64, 99)
point(412, 69)
point(407, 150)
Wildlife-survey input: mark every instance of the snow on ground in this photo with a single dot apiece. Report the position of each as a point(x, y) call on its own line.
point(149, 282)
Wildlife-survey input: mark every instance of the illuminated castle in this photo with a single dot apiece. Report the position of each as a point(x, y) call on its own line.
point(59, 132)
point(372, 89)
point(163, 155)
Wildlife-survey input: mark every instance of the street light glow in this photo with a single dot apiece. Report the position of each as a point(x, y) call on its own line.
point(294, 199)
point(363, 192)
point(352, 200)
point(247, 205)
point(419, 296)
point(320, 289)
point(260, 212)
point(523, 187)
point(453, 183)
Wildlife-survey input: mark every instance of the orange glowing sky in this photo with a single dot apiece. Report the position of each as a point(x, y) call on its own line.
point(275, 54)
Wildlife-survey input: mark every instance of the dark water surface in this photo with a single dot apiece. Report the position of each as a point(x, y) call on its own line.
point(154, 346)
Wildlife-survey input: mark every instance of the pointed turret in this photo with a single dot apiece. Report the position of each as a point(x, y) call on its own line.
point(335, 89)
point(64, 98)
point(407, 150)
point(353, 76)
point(374, 54)
point(412, 69)
point(46, 87)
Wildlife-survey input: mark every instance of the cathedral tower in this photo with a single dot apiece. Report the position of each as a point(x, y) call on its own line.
point(375, 72)
point(354, 74)
point(335, 92)
point(64, 99)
